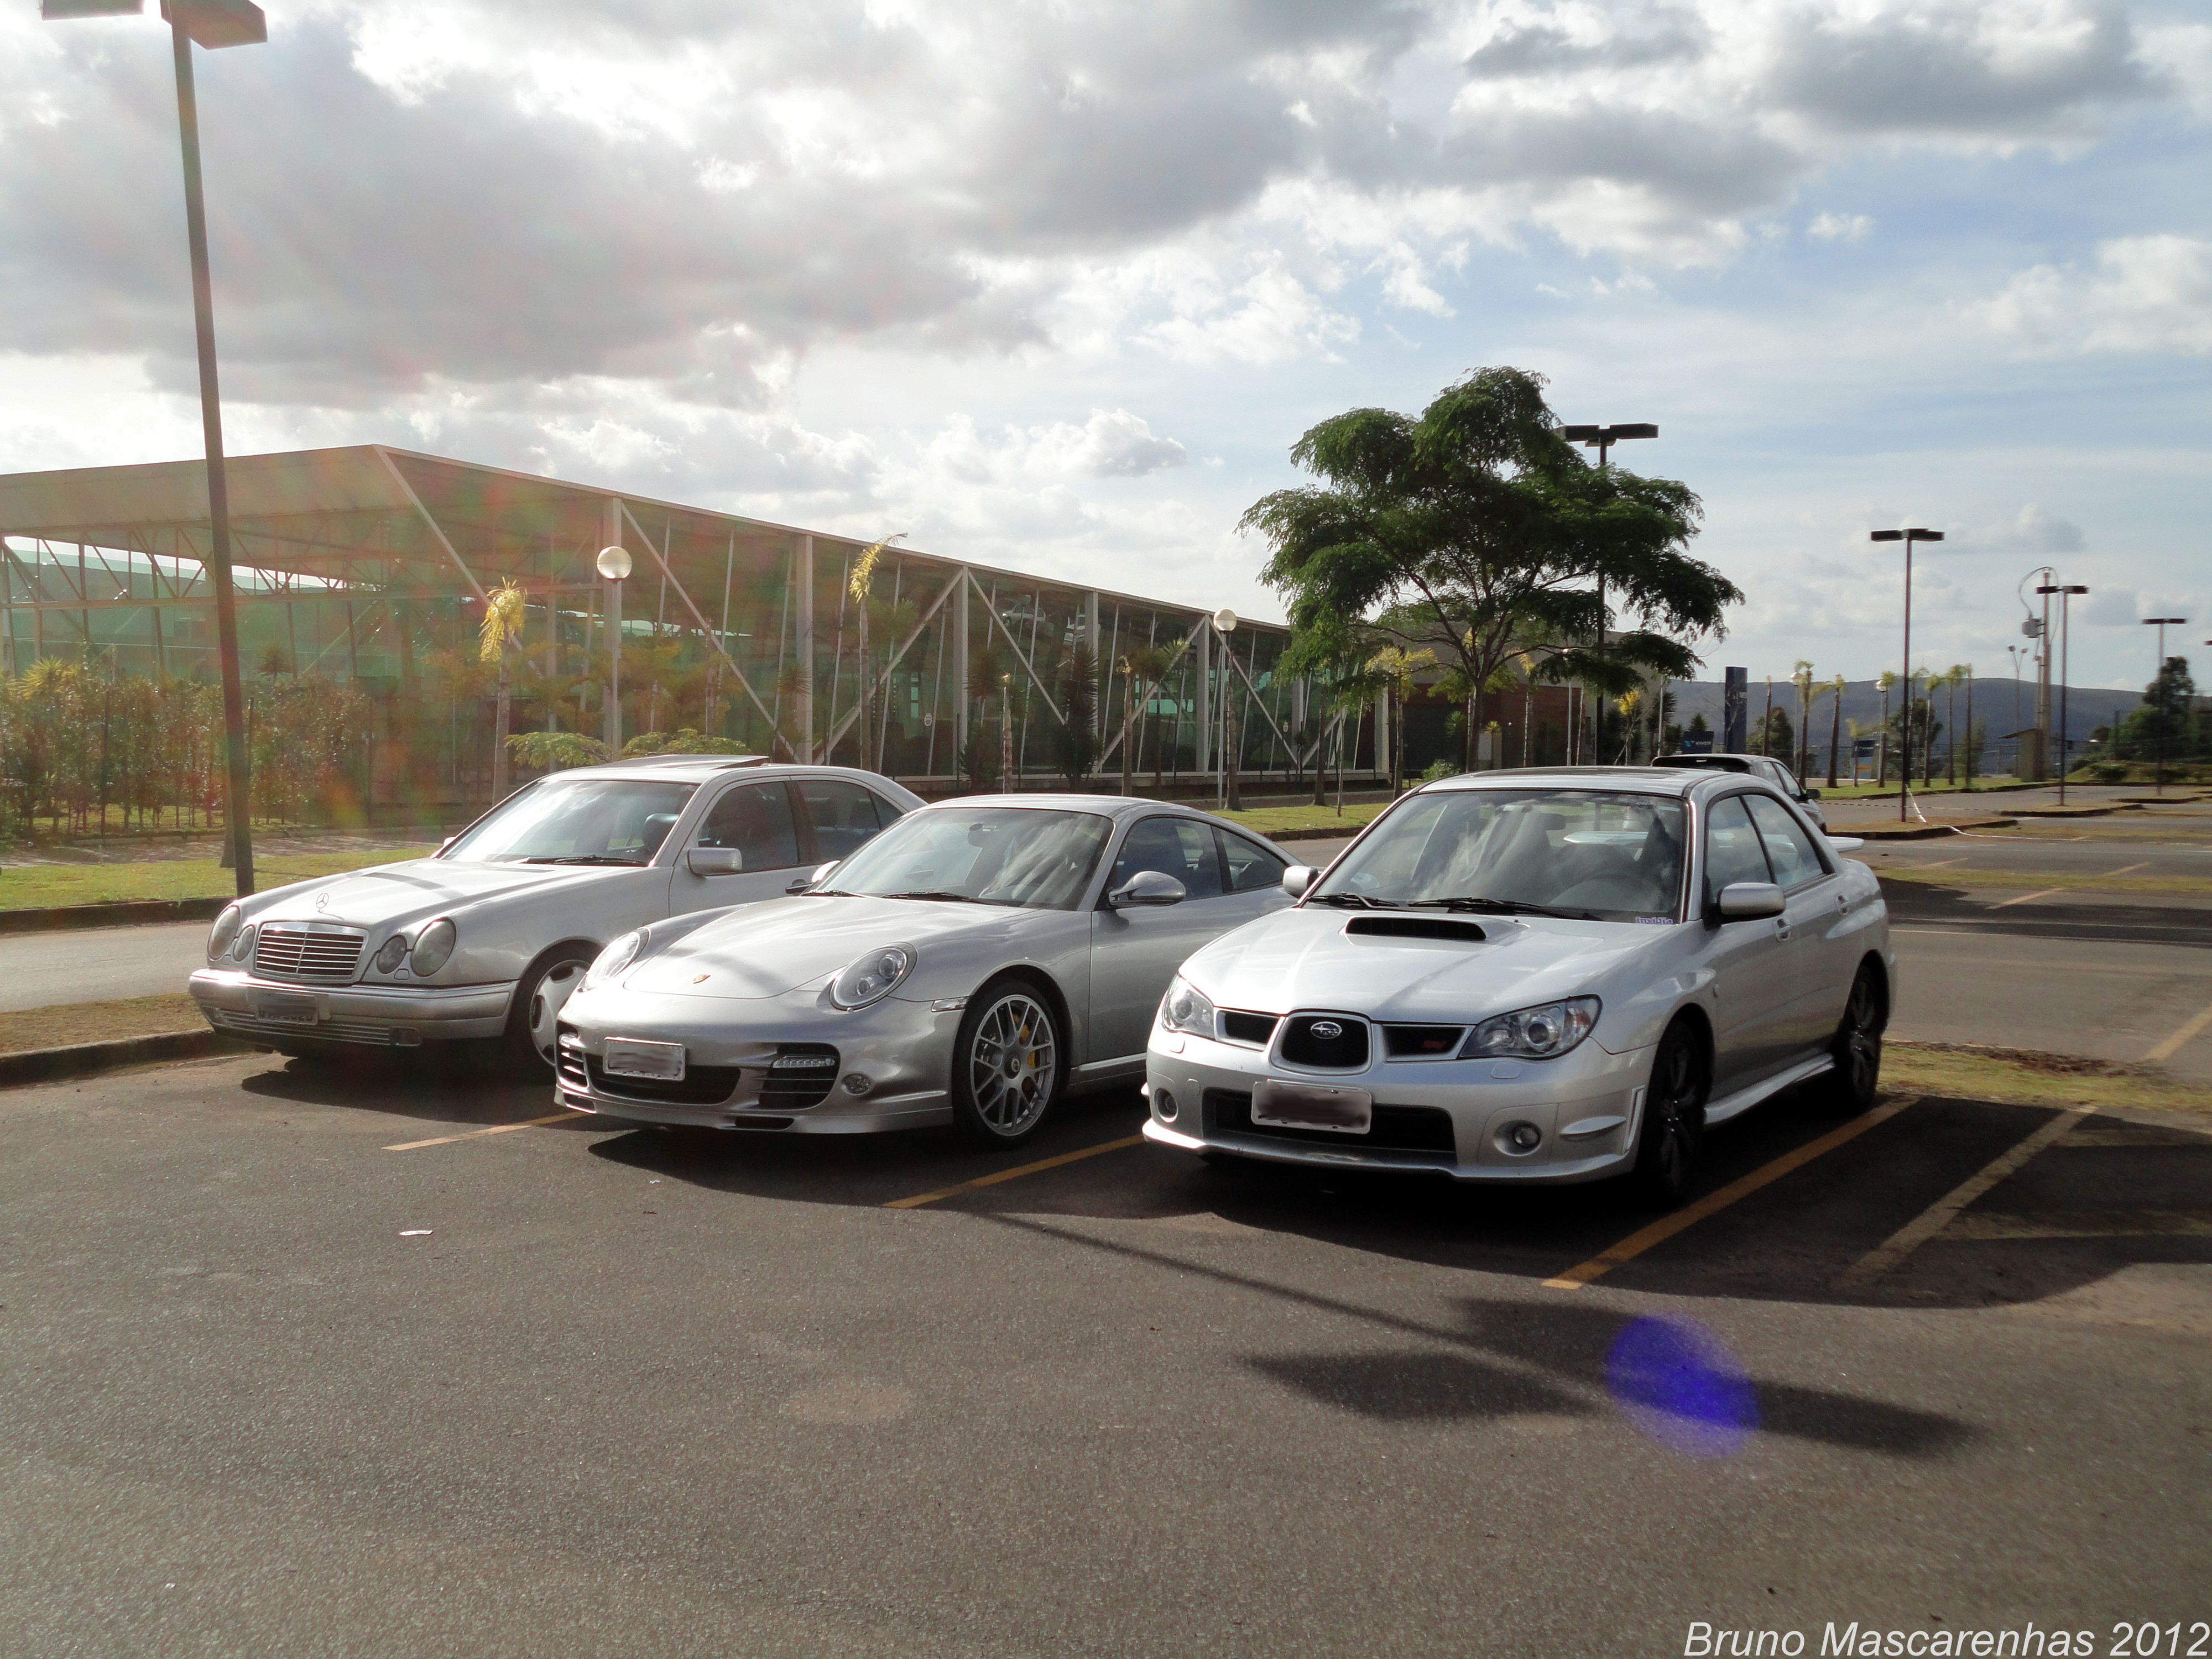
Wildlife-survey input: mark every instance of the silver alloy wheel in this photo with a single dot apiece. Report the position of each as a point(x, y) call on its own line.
point(1013, 1061)
point(548, 999)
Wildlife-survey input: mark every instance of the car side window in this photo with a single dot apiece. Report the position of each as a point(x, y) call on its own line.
point(844, 815)
point(754, 818)
point(1182, 848)
point(1732, 851)
point(1788, 848)
point(1248, 866)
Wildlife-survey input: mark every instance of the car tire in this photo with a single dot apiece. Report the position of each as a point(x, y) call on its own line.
point(537, 1003)
point(1855, 1083)
point(1674, 1120)
point(1009, 1064)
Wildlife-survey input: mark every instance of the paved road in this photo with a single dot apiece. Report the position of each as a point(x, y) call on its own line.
point(97, 964)
point(625, 1392)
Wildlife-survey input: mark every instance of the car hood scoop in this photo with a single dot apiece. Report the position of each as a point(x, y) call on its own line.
point(1444, 928)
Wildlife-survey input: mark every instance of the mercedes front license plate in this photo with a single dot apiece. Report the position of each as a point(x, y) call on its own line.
point(1279, 1105)
point(277, 1008)
point(635, 1057)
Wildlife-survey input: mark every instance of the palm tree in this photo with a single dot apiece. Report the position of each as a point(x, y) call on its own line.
point(1835, 729)
point(1885, 680)
point(499, 633)
point(1394, 668)
point(1801, 675)
point(863, 579)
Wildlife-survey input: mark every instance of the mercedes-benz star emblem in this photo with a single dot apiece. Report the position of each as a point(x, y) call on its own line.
point(1327, 1029)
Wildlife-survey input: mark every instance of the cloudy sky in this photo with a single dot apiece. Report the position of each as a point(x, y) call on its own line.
point(1056, 286)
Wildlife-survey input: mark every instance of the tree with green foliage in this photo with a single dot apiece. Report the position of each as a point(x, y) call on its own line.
point(1474, 531)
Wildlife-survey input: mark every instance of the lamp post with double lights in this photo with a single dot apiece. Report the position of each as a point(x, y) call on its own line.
point(2065, 591)
point(614, 564)
point(211, 24)
point(1908, 537)
point(2158, 673)
point(1603, 438)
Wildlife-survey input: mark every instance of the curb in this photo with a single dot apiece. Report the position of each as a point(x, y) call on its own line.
point(88, 1059)
point(1924, 831)
point(1324, 833)
point(120, 913)
point(2073, 811)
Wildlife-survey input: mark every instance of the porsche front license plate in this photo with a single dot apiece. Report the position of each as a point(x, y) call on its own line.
point(278, 1009)
point(1278, 1105)
point(634, 1057)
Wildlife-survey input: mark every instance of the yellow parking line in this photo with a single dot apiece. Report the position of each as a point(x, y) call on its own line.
point(922, 1198)
point(2171, 1046)
point(495, 1129)
point(2024, 898)
point(1667, 1226)
point(1945, 1210)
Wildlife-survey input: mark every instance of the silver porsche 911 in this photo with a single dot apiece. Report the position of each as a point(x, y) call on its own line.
point(968, 965)
point(1549, 975)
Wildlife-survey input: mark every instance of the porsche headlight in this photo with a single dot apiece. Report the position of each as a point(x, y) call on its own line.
point(872, 977)
point(1186, 1008)
point(618, 955)
point(433, 945)
point(1539, 1033)
point(224, 930)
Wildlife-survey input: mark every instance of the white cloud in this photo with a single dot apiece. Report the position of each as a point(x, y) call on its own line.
point(1839, 227)
point(2147, 293)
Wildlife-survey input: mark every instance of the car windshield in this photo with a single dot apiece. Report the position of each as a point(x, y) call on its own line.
point(589, 821)
point(1013, 855)
point(1601, 855)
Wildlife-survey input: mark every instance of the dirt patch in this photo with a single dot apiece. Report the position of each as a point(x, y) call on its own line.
point(2034, 1077)
point(62, 1023)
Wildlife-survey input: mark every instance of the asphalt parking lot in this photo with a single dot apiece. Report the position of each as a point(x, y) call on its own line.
point(307, 1361)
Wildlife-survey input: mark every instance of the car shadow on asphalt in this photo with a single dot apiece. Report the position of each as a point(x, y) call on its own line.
point(1932, 904)
point(463, 1089)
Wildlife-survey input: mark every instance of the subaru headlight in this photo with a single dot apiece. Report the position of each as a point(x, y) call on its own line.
point(1186, 1008)
point(872, 977)
point(224, 930)
point(433, 945)
point(1541, 1033)
point(618, 955)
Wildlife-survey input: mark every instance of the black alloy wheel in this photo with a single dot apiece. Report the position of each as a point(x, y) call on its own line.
point(1674, 1119)
point(1008, 1064)
point(1855, 1083)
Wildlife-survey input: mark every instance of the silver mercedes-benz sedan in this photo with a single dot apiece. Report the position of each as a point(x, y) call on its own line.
point(968, 966)
point(1557, 974)
point(487, 938)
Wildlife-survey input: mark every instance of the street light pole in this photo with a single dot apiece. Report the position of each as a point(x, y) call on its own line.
point(1908, 537)
point(2158, 673)
point(1603, 438)
point(2065, 591)
point(614, 564)
point(211, 23)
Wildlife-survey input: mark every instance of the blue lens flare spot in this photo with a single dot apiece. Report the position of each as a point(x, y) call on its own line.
point(1681, 1387)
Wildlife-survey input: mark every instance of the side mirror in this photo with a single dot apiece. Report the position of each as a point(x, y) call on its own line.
point(1148, 888)
point(714, 861)
point(1298, 878)
point(1750, 900)
point(448, 842)
point(1812, 795)
point(1846, 843)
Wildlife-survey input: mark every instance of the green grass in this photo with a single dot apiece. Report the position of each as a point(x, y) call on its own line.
point(2019, 1076)
point(1273, 820)
point(33, 886)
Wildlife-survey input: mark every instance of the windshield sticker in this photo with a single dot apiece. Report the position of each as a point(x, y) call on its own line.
point(1656, 921)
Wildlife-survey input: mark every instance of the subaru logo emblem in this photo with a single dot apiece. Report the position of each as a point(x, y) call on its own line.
point(1327, 1029)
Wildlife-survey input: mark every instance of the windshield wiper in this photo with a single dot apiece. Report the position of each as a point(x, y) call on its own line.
point(939, 893)
point(1499, 907)
point(595, 857)
point(1359, 901)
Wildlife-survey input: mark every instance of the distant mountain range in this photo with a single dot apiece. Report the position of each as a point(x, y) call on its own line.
point(1998, 709)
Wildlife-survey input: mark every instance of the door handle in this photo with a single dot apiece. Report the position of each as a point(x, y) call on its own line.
point(800, 886)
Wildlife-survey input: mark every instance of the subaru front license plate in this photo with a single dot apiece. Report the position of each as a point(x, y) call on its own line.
point(1278, 1105)
point(278, 1008)
point(635, 1057)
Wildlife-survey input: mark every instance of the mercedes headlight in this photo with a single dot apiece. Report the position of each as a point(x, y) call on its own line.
point(391, 954)
point(1186, 1008)
point(618, 955)
point(224, 930)
point(1540, 1033)
point(872, 977)
point(241, 949)
point(433, 945)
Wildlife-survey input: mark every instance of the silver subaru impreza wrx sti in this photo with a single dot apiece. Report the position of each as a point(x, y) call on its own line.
point(1556, 975)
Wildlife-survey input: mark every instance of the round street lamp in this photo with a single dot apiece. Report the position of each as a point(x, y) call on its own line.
point(614, 564)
